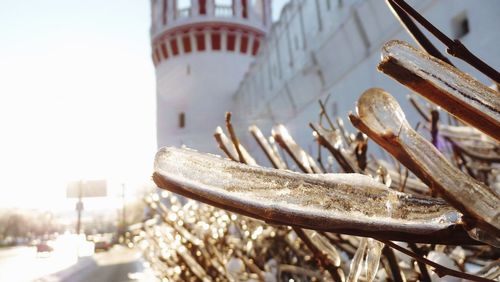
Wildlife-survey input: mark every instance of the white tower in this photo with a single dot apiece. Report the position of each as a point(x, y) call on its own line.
point(201, 51)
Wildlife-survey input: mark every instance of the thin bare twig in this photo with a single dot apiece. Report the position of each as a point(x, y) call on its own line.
point(319, 255)
point(455, 47)
point(439, 269)
point(423, 270)
point(415, 32)
point(396, 272)
point(233, 137)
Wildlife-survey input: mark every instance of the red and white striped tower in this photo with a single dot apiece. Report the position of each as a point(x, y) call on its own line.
point(201, 51)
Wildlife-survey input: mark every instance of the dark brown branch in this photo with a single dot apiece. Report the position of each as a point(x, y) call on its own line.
point(417, 106)
point(439, 269)
point(455, 47)
point(343, 162)
point(233, 137)
point(415, 32)
point(423, 270)
point(323, 111)
point(396, 273)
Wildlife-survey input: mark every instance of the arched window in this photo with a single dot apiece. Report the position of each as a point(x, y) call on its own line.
point(224, 8)
point(203, 6)
point(183, 8)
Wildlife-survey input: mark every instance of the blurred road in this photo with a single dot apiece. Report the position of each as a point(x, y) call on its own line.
point(119, 264)
point(24, 264)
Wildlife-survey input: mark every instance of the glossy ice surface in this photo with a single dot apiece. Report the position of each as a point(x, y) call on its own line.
point(381, 113)
point(455, 91)
point(327, 202)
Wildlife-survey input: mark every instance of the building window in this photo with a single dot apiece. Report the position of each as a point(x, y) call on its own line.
point(244, 9)
point(203, 7)
point(182, 120)
point(460, 25)
point(183, 8)
point(164, 12)
point(224, 8)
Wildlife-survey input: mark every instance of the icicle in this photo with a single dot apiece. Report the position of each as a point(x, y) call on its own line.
point(485, 237)
point(324, 245)
point(373, 253)
point(357, 262)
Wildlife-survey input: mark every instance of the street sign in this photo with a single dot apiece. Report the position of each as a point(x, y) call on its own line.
point(86, 189)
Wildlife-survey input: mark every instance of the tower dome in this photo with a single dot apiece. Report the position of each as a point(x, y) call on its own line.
point(201, 50)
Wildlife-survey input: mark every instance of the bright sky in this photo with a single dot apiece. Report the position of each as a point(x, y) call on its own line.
point(77, 97)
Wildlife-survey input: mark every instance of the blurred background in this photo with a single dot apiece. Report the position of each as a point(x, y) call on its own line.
point(77, 113)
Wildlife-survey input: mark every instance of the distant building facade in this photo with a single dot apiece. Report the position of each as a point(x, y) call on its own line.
point(332, 47)
point(318, 48)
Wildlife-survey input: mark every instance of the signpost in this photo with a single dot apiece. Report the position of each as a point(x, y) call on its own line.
point(85, 189)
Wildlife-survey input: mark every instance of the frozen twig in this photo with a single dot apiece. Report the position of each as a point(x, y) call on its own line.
point(243, 155)
point(455, 47)
point(455, 91)
point(274, 158)
point(439, 269)
point(345, 203)
point(380, 116)
point(305, 162)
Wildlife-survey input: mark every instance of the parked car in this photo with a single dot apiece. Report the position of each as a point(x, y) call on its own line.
point(101, 246)
point(43, 247)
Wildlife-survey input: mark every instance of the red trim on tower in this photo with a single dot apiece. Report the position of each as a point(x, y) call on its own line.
point(157, 55)
point(174, 47)
point(216, 40)
point(200, 44)
point(164, 50)
point(231, 41)
point(186, 43)
point(255, 47)
point(244, 43)
point(205, 25)
point(200, 41)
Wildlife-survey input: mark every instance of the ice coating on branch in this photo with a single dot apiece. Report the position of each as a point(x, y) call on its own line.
point(387, 125)
point(322, 202)
point(453, 90)
point(462, 86)
point(484, 236)
point(303, 159)
point(266, 147)
point(225, 144)
point(229, 148)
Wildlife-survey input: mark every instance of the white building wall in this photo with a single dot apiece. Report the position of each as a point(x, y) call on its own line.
point(340, 58)
point(202, 94)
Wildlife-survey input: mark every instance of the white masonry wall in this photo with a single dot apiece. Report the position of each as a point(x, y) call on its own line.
point(332, 47)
